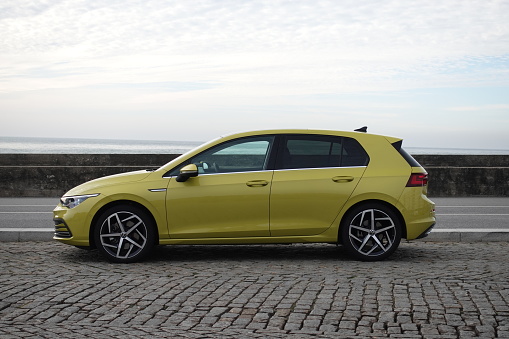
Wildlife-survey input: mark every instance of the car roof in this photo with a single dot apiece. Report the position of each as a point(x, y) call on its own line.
point(352, 134)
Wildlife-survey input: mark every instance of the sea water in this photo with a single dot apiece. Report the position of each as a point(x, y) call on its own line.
point(20, 145)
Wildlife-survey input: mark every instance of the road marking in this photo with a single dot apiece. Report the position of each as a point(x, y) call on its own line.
point(470, 230)
point(470, 214)
point(28, 205)
point(27, 229)
point(23, 212)
point(440, 206)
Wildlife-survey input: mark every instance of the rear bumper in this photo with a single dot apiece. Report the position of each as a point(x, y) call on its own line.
point(418, 212)
point(427, 232)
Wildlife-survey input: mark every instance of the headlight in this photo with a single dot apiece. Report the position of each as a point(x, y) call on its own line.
point(73, 201)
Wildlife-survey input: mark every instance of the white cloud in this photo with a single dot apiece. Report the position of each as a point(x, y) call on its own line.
point(248, 56)
point(329, 42)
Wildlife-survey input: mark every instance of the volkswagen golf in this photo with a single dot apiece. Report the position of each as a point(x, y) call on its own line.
point(355, 189)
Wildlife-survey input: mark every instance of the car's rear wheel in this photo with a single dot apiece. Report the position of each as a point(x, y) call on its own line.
point(124, 234)
point(371, 232)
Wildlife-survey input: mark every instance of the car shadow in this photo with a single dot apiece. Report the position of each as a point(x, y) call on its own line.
point(191, 253)
point(257, 253)
point(281, 252)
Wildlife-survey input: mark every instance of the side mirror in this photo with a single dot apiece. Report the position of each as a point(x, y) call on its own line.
point(187, 172)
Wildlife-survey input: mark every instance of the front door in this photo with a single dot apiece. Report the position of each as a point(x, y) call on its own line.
point(230, 196)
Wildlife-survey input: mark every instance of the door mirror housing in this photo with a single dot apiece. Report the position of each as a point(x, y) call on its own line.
point(187, 172)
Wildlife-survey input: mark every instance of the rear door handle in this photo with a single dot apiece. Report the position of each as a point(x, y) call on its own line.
point(342, 178)
point(257, 183)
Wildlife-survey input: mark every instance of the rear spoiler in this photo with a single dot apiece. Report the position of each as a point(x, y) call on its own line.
point(397, 145)
point(409, 159)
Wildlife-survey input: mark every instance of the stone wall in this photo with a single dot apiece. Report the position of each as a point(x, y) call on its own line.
point(51, 175)
point(467, 175)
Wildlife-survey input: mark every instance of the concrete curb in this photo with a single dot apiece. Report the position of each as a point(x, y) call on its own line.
point(437, 235)
point(26, 234)
point(468, 235)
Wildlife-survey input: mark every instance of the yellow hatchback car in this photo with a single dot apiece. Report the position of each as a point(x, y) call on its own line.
point(360, 190)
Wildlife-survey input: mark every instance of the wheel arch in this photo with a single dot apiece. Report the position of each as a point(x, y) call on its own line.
point(123, 202)
point(365, 202)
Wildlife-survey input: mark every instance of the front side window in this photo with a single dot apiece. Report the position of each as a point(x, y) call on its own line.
point(241, 155)
point(319, 151)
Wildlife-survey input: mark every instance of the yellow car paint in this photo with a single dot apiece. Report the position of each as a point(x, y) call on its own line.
point(268, 206)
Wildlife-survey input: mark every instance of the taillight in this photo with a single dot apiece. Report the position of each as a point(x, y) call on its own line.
point(417, 179)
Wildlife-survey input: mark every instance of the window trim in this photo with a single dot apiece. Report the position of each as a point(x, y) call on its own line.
point(316, 168)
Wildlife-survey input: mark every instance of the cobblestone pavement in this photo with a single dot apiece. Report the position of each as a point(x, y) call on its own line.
point(426, 290)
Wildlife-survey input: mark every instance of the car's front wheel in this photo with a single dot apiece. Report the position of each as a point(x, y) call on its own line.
point(124, 234)
point(371, 232)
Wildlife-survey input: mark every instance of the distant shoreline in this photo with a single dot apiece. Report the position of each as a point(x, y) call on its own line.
point(33, 145)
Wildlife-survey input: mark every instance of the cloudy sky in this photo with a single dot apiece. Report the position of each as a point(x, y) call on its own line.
point(435, 73)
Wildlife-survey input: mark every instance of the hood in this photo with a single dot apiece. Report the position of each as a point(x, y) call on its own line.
point(95, 186)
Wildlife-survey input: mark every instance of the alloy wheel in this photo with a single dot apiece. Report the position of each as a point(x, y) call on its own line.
point(123, 235)
point(373, 233)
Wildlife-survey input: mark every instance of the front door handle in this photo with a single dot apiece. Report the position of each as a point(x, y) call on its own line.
point(342, 178)
point(257, 183)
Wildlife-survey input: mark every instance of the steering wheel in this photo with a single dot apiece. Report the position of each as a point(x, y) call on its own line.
point(215, 167)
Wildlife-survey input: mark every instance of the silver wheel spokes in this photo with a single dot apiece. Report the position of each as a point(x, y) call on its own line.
point(123, 234)
point(372, 232)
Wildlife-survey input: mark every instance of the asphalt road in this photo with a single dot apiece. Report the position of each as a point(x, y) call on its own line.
point(452, 213)
point(27, 212)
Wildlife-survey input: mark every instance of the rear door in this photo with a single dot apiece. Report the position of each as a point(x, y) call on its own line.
point(314, 177)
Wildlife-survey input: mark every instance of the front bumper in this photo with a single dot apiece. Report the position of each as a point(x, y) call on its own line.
point(71, 226)
point(62, 231)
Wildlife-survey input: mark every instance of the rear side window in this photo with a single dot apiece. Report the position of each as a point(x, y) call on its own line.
point(319, 151)
point(353, 154)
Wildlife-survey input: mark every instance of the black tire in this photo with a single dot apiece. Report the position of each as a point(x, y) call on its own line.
point(124, 234)
point(371, 232)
